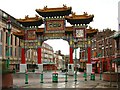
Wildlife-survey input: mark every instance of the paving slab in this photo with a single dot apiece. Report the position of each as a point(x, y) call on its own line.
point(19, 82)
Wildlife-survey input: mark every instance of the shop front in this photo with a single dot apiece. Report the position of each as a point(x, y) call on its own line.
point(95, 65)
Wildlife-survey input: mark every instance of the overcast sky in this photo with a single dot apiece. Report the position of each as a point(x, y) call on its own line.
point(105, 13)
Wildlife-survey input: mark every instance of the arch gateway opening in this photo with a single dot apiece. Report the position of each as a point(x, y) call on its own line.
point(54, 19)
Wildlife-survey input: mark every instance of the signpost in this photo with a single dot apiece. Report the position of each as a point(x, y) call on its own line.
point(80, 33)
point(53, 25)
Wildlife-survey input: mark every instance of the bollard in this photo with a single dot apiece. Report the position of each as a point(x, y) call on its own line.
point(85, 75)
point(66, 77)
point(93, 76)
point(26, 77)
point(41, 77)
point(75, 76)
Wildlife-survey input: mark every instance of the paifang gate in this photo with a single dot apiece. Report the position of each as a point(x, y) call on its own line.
point(54, 20)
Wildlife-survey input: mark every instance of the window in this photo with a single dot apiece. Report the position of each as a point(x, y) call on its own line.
point(11, 39)
point(111, 51)
point(0, 50)
point(10, 51)
point(102, 52)
point(19, 42)
point(119, 26)
point(5, 15)
point(0, 36)
point(106, 41)
point(19, 52)
point(29, 54)
point(6, 50)
point(107, 52)
point(15, 41)
point(15, 52)
point(6, 37)
point(1, 13)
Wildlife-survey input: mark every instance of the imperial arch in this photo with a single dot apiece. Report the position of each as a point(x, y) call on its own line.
point(54, 20)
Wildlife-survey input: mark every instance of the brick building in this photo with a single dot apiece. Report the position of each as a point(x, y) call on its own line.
point(48, 57)
point(14, 45)
point(15, 48)
point(102, 51)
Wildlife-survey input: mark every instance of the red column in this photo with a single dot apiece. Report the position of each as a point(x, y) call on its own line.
point(71, 55)
point(23, 56)
point(89, 54)
point(39, 55)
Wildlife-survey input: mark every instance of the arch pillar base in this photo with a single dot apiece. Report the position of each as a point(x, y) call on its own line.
point(89, 68)
point(23, 68)
point(40, 68)
point(70, 69)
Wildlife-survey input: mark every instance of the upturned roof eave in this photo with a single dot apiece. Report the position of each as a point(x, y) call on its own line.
point(46, 9)
point(55, 13)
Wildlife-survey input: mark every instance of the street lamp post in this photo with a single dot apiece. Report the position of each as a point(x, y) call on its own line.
point(8, 27)
point(117, 39)
point(99, 55)
point(101, 68)
point(118, 48)
point(89, 65)
point(110, 65)
point(75, 42)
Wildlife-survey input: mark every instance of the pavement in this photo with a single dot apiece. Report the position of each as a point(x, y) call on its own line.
point(34, 82)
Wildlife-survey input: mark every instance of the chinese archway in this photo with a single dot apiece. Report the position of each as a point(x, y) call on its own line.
point(54, 20)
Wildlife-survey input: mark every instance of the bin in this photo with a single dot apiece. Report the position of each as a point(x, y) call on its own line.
point(85, 75)
point(55, 77)
point(26, 77)
point(92, 76)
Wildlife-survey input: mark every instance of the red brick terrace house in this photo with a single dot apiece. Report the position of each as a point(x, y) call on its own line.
point(103, 50)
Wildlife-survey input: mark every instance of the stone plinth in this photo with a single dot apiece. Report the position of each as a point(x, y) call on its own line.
point(113, 76)
point(7, 80)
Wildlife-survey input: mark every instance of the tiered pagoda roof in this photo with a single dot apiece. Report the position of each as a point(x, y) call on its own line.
point(31, 21)
point(40, 31)
point(90, 32)
point(60, 11)
point(79, 19)
point(116, 35)
point(19, 34)
point(50, 12)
